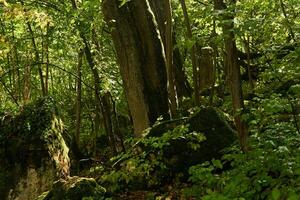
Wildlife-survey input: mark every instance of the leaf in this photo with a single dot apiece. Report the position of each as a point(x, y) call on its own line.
point(190, 43)
point(4, 3)
point(123, 2)
point(295, 89)
point(217, 164)
point(275, 194)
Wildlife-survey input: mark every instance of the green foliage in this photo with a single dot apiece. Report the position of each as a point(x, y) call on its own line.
point(269, 171)
point(123, 2)
point(145, 165)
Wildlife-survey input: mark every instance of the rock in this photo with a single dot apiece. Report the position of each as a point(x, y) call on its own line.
point(212, 123)
point(168, 150)
point(74, 188)
point(208, 121)
point(33, 152)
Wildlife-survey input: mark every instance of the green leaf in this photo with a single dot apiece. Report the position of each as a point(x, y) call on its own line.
point(275, 194)
point(123, 2)
point(217, 163)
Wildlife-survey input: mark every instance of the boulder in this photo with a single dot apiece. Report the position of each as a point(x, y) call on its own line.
point(210, 122)
point(33, 152)
point(74, 188)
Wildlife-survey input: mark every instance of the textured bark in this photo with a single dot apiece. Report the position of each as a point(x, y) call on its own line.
point(141, 57)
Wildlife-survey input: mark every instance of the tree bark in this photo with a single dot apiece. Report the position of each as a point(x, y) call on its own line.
point(206, 69)
point(141, 58)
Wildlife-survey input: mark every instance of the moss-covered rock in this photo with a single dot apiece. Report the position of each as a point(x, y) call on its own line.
point(33, 152)
point(75, 188)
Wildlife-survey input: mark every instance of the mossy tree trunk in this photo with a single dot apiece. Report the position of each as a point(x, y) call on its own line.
point(141, 58)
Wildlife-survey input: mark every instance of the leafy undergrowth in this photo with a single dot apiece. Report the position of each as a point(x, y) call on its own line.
point(149, 164)
point(269, 170)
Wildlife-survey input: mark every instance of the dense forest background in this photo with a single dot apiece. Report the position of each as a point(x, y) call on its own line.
point(182, 99)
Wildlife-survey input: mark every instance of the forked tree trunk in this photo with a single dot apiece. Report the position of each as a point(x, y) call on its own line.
point(141, 58)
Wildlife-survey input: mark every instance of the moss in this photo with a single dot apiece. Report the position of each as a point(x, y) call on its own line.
point(31, 138)
point(75, 188)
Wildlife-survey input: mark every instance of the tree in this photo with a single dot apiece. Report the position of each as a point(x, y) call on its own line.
point(232, 69)
point(141, 59)
point(161, 10)
point(193, 53)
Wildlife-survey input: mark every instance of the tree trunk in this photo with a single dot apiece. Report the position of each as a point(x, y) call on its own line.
point(78, 99)
point(182, 85)
point(141, 58)
point(234, 75)
point(206, 69)
point(102, 106)
point(193, 53)
point(27, 83)
point(169, 60)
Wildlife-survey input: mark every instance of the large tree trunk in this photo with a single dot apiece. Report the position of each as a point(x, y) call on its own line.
point(141, 57)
